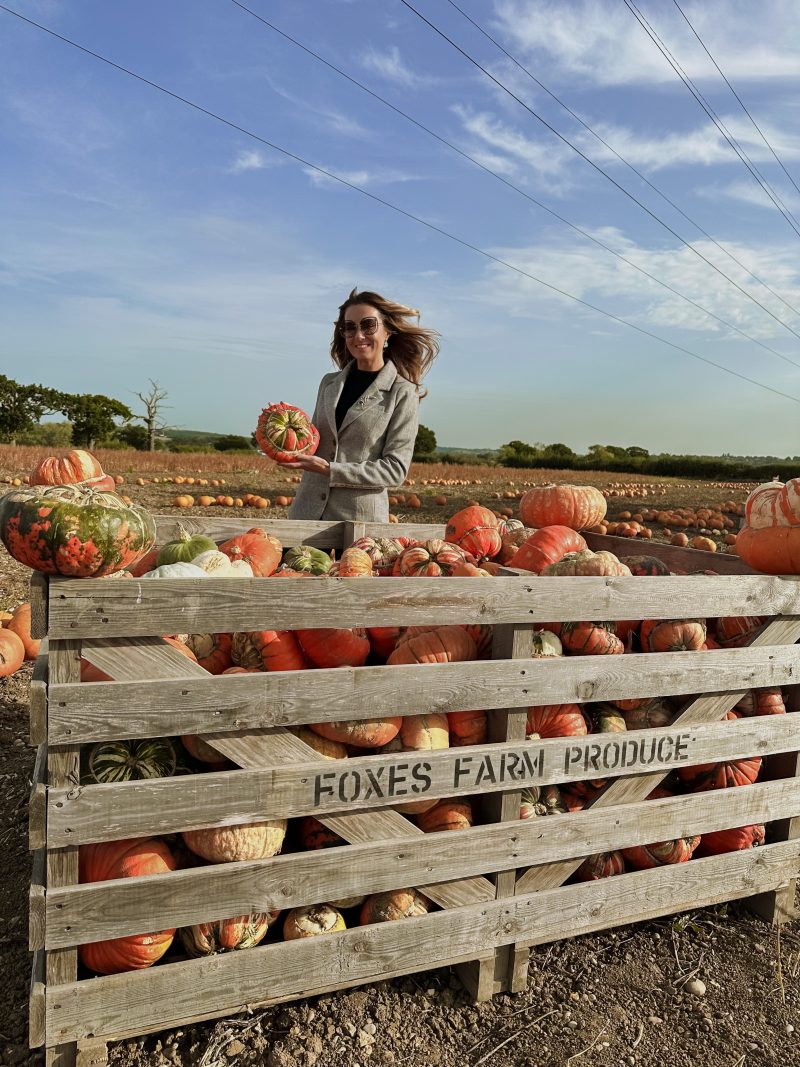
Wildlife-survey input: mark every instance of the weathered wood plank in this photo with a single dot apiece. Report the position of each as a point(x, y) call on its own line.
point(321, 787)
point(36, 1002)
point(38, 698)
point(171, 995)
point(95, 912)
point(37, 911)
point(63, 771)
point(37, 802)
point(142, 608)
point(687, 559)
point(704, 709)
point(290, 532)
point(39, 594)
point(278, 747)
point(189, 705)
point(92, 1054)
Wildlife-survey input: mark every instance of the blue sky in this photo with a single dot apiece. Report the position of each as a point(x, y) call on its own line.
point(142, 239)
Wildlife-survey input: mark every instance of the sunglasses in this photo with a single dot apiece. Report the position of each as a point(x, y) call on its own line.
point(367, 326)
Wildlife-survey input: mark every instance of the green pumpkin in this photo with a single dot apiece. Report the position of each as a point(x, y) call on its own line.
point(306, 558)
point(73, 530)
point(124, 761)
point(184, 548)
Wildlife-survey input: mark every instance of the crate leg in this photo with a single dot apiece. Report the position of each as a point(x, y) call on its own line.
point(519, 958)
point(778, 906)
point(478, 978)
point(92, 1054)
point(63, 769)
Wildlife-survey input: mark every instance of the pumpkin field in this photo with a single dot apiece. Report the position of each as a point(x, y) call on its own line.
point(716, 986)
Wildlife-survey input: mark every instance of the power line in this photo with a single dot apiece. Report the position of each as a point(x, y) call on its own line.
point(393, 207)
point(481, 29)
point(741, 102)
point(754, 172)
point(596, 167)
point(507, 183)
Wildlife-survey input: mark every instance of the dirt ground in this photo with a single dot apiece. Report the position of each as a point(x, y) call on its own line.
point(628, 996)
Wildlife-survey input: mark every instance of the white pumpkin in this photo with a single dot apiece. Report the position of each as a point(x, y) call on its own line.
point(176, 570)
point(790, 501)
point(546, 644)
point(764, 506)
point(218, 565)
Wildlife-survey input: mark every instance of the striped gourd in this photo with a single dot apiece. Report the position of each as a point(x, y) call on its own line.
point(122, 761)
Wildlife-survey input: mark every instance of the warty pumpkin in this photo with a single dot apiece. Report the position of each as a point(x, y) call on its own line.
point(312, 921)
point(226, 935)
point(363, 733)
point(70, 530)
point(244, 841)
point(284, 432)
point(76, 467)
point(586, 563)
point(395, 904)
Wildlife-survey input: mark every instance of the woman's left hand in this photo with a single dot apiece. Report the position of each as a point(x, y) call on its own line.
point(310, 463)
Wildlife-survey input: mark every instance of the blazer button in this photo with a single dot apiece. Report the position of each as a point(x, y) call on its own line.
point(323, 496)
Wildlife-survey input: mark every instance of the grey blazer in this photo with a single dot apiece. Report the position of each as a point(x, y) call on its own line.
point(370, 454)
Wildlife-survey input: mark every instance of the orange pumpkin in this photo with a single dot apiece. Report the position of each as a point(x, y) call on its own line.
point(575, 506)
point(736, 631)
point(12, 652)
point(768, 701)
point(256, 547)
point(546, 546)
point(475, 530)
point(719, 841)
point(773, 550)
point(334, 647)
point(383, 640)
point(355, 563)
point(721, 775)
point(212, 651)
point(363, 733)
point(268, 650)
point(424, 733)
point(672, 635)
point(602, 865)
point(395, 904)
point(587, 638)
point(556, 720)
point(131, 858)
point(467, 727)
point(20, 624)
point(443, 644)
point(446, 815)
point(313, 835)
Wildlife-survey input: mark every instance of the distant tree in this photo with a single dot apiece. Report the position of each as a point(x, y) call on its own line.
point(153, 406)
point(22, 406)
point(635, 450)
point(518, 454)
point(559, 451)
point(425, 443)
point(232, 441)
point(134, 437)
point(92, 416)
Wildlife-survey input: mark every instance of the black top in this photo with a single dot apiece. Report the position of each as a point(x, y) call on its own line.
point(356, 383)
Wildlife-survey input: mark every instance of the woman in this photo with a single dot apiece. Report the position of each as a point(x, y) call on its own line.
point(366, 413)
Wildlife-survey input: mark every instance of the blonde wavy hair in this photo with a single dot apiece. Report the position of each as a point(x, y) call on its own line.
point(411, 348)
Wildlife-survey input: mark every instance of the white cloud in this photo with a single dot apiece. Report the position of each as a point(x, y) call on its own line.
point(601, 42)
point(390, 65)
point(249, 159)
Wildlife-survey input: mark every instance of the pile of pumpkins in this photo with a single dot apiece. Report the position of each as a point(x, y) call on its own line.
point(475, 540)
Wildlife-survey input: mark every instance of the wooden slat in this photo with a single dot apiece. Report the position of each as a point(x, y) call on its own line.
point(176, 994)
point(63, 771)
point(189, 705)
point(95, 912)
point(270, 748)
point(687, 559)
point(704, 709)
point(141, 607)
point(37, 802)
point(38, 697)
point(290, 532)
point(321, 787)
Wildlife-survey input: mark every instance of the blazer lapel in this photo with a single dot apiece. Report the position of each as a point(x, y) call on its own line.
point(382, 384)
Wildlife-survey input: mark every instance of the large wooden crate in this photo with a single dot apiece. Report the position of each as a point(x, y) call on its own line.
point(500, 886)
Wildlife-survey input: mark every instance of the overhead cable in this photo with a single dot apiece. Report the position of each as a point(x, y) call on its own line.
point(385, 203)
point(598, 168)
point(509, 184)
point(761, 133)
point(751, 168)
point(643, 177)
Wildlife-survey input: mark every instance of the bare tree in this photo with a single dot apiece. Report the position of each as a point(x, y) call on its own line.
point(153, 405)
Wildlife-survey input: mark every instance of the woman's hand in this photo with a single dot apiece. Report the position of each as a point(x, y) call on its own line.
point(310, 463)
